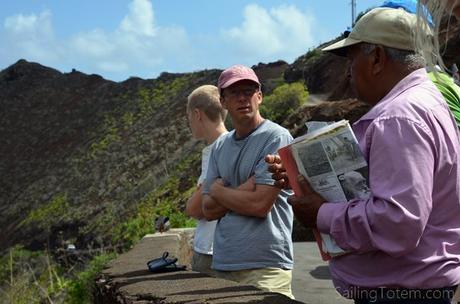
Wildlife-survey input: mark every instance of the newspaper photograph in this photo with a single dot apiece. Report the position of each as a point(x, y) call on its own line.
point(330, 159)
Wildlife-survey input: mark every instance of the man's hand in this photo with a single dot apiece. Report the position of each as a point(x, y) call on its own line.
point(211, 209)
point(278, 171)
point(307, 205)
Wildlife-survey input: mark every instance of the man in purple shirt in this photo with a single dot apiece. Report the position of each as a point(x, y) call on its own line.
point(403, 241)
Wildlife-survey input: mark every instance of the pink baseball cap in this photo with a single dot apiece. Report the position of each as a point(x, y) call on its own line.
point(234, 74)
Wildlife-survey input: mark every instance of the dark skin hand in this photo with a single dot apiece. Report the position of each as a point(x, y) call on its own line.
point(307, 204)
point(275, 166)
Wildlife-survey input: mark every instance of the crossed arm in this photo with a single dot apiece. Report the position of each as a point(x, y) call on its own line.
point(193, 205)
point(248, 199)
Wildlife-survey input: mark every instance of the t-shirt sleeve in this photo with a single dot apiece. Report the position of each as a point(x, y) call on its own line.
point(204, 164)
point(261, 171)
point(212, 171)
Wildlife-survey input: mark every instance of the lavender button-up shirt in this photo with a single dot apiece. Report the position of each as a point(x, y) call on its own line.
point(408, 233)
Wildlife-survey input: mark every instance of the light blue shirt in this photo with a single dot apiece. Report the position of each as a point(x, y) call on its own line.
point(246, 242)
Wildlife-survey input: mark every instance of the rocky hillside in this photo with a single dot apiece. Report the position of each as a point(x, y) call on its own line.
point(79, 153)
point(80, 156)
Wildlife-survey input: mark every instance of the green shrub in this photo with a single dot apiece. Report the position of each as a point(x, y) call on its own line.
point(129, 232)
point(80, 289)
point(177, 217)
point(143, 221)
point(151, 100)
point(128, 120)
point(34, 277)
point(110, 136)
point(167, 200)
point(313, 54)
point(49, 214)
point(31, 277)
point(9, 263)
point(284, 100)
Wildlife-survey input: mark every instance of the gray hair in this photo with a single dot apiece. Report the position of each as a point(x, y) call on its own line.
point(411, 59)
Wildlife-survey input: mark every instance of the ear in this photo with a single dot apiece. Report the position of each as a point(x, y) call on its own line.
point(379, 60)
point(197, 114)
point(222, 102)
point(259, 97)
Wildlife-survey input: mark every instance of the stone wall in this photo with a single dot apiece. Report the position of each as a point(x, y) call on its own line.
point(127, 279)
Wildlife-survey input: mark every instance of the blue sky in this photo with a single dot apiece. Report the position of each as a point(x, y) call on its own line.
point(118, 39)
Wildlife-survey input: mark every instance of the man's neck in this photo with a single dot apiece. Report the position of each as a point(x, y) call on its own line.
point(244, 129)
point(214, 133)
point(392, 77)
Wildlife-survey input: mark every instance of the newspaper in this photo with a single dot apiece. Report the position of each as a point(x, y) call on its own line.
point(331, 160)
point(314, 125)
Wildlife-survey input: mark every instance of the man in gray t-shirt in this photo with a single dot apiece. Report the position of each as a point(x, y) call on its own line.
point(252, 241)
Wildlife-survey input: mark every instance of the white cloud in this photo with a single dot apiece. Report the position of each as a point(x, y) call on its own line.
point(140, 19)
point(95, 43)
point(137, 43)
point(139, 46)
point(256, 34)
point(281, 33)
point(31, 36)
point(30, 24)
point(136, 47)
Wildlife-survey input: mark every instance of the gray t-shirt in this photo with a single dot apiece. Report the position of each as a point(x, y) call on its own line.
point(246, 242)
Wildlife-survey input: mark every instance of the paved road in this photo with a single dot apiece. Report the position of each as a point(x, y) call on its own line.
point(311, 280)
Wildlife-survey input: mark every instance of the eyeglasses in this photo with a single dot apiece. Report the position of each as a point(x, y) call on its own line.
point(247, 92)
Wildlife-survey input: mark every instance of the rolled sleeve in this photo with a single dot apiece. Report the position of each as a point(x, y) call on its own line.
point(262, 175)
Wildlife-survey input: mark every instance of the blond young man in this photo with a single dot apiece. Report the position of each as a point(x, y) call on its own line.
point(206, 119)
